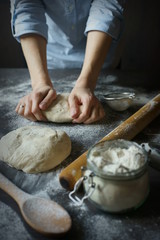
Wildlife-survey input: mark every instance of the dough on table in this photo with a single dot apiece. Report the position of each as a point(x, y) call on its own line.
point(34, 149)
point(59, 110)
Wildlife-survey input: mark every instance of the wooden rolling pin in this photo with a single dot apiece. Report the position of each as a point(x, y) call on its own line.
point(126, 130)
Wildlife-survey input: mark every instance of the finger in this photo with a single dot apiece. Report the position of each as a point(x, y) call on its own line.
point(85, 114)
point(96, 115)
point(37, 112)
point(48, 99)
point(17, 107)
point(20, 109)
point(102, 112)
point(74, 106)
point(27, 112)
point(93, 117)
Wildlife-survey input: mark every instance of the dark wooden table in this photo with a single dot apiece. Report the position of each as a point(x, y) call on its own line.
point(89, 223)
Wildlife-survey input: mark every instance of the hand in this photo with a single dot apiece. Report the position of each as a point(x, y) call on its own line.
point(40, 98)
point(84, 106)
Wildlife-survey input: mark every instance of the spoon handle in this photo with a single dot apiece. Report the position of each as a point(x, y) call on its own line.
point(17, 194)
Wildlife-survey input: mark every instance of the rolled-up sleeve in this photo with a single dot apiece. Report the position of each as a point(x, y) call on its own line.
point(28, 17)
point(106, 16)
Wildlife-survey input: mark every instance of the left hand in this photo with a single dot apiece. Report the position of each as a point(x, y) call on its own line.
point(40, 98)
point(84, 106)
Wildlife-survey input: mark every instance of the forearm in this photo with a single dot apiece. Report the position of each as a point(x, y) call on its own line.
point(34, 49)
point(98, 44)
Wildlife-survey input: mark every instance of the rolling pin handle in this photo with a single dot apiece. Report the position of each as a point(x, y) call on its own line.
point(64, 183)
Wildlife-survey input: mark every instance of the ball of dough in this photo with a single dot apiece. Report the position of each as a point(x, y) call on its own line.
point(34, 149)
point(59, 110)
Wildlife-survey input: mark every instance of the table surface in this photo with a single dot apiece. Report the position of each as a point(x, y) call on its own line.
point(88, 222)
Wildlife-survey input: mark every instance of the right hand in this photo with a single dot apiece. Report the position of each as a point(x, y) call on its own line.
point(84, 106)
point(40, 98)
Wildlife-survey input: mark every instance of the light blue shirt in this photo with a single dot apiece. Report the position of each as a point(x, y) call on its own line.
point(65, 24)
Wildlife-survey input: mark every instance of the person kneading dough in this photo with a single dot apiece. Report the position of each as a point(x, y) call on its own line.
point(34, 149)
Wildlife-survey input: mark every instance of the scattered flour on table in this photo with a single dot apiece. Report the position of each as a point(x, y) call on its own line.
point(12, 223)
point(12, 94)
point(82, 209)
point(51, 187)
point(113, 227)
point(142, 98)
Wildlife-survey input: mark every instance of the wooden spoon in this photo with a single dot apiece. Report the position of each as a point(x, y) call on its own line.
point(43, 215)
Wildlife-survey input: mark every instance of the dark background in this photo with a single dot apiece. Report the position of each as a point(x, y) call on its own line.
point(139, 48)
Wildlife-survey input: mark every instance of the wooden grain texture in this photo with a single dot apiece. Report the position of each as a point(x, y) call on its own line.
point(43, 215)
point(126, 130)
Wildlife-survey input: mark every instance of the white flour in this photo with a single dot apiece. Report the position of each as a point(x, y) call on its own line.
point(117, 160)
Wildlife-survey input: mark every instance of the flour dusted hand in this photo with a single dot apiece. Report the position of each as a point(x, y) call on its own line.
point(34, 149)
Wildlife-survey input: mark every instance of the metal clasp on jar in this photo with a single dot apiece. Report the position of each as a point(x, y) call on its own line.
point(91, 184)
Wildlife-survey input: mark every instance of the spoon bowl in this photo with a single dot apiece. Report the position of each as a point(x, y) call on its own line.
point(43, 215)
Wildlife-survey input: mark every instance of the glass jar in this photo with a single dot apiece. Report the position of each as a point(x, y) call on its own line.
point(115, 192)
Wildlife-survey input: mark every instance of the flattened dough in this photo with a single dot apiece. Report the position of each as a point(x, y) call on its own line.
point(34, 149)
point(59, 110)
